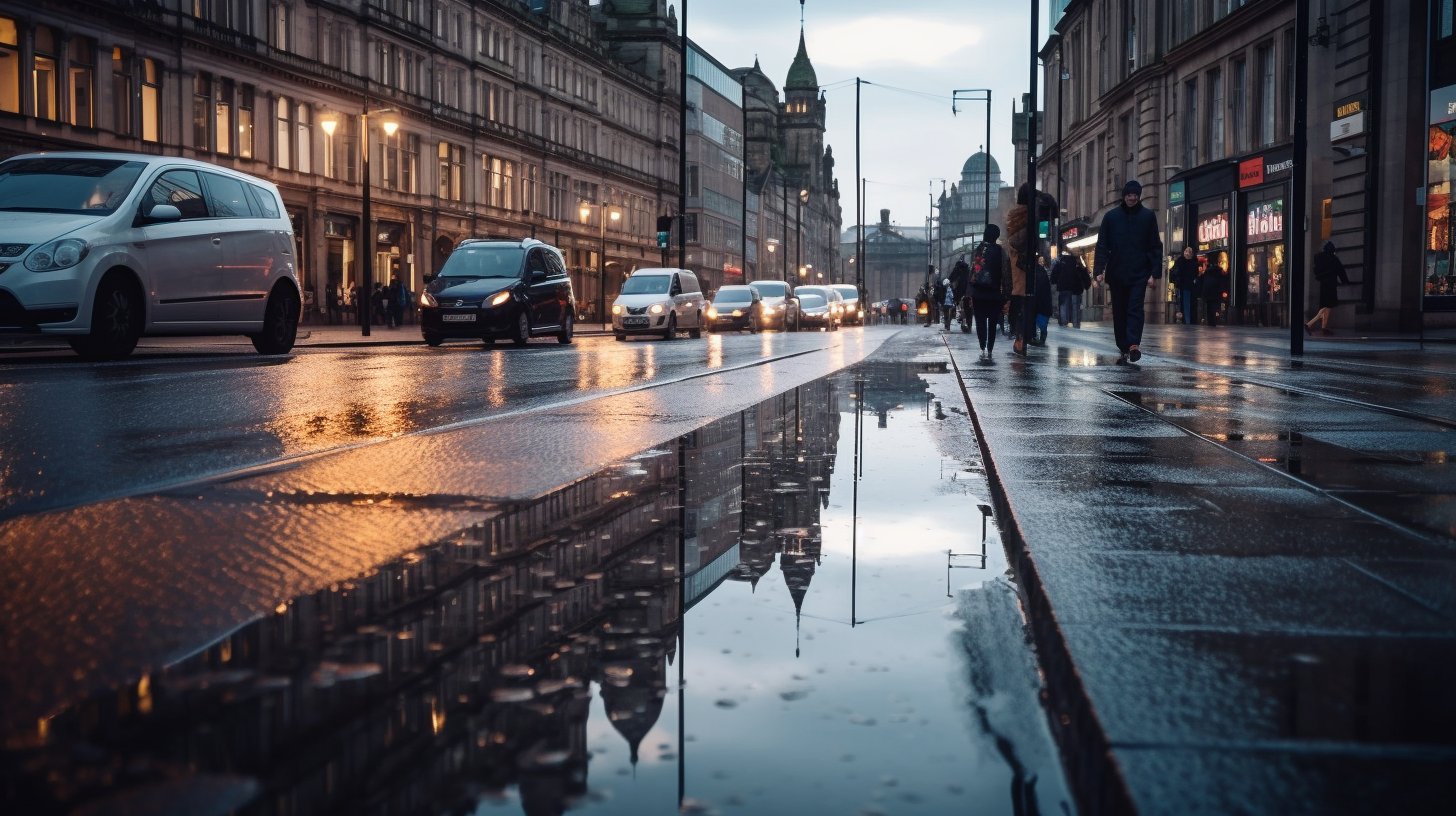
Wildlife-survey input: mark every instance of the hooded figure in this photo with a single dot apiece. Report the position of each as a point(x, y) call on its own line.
point(1130, 256)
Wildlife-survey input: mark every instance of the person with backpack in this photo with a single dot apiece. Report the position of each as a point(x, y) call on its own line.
point(960, 283)
point(1330, 273)
point(989, 287)
point(1071, 278)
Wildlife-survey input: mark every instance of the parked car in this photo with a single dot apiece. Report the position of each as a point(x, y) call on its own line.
point(735, 308)
point(659, 301)
point(493, 289)
point(780, 307)
point(102, 248)
point(832, 297)
point(815, 312)
point(854, 311)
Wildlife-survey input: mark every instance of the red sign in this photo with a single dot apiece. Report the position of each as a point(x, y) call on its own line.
point(1251, 172)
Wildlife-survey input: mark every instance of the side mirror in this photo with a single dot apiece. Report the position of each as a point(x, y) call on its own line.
point(162, 213)
point(537, 276)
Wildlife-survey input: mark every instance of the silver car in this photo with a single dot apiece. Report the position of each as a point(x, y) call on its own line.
point(102, 248)
point(780, 307)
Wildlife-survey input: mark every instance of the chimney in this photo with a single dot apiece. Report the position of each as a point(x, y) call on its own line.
point(884, 219)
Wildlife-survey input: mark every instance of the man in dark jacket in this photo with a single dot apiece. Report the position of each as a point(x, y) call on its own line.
point(1185, 280)
point(1129, 257)
point(1070, 278)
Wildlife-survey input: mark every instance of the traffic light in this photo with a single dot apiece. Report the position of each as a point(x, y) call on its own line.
point(664, 231)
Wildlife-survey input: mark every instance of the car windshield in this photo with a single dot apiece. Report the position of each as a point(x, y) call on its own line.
point(771, 289)
point(62, 185)
point(646, 285)
point(484, 262)
point(816, 291)
point(733, 296)
point(847, 292)
point(810, 300)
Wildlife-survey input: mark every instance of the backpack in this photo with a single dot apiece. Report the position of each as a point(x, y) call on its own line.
point(980, 273)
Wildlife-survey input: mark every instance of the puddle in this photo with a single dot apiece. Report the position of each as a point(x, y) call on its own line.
point(844, 638)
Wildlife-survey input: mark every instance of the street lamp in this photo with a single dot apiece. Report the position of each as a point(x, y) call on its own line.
point(799, 231)
point(330, 123)
point(606, 211)
point(977, 95)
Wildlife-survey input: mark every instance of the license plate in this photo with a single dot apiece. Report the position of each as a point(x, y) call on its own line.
point(458, 318)
point(634, 322)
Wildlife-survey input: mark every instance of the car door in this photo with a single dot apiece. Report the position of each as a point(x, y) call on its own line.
point(247, 250)
point(694, 306)
point(564, 298)
point(181, 258)
point(541, 301)
point(675, 292)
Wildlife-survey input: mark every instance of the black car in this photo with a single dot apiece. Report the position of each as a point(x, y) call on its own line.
point(491, 289)
point(735, 308)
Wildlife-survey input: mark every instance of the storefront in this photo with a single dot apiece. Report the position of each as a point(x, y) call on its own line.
point(1439, 261)
point(339, 271)
point(1262, 278)
point(1212, 219)
point(298, 216)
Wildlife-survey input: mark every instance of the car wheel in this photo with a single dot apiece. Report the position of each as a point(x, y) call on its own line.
point(522, 334)
point(697, 331)
point(432, 339)
point(280, 323)
point(116, 322)
point(670, 333)
point(567, 325)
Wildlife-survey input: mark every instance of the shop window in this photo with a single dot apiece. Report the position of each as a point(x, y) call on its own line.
point(121, 93)
point(82, 82)
point(9, 66)
point(43, 74)
point(151, 110)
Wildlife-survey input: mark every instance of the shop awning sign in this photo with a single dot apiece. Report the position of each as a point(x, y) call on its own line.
point(1349, 117)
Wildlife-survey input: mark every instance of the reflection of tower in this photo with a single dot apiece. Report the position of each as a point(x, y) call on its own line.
point(800, 557)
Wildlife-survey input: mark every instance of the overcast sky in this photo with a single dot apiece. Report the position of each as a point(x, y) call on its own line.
point(928, 47)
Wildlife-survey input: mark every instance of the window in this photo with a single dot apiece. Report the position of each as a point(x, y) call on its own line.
point(1190, 123)
point(1289, 82)
point(266, 201)
point(1265, 123)
point(44, 74)
point(181, 189)
point(452, 170)
point(202, 111)
point(82, 82)
point(245, 121)
point(1215, 114)
point(121, 93)
point(227, 198)
point(9, 66)
point(282, 133)
point(401, 153)
point(281, 15)
point(223, 116)
point(501, 184)
point(303, 126)
point(151, 101)
point(1240, 107)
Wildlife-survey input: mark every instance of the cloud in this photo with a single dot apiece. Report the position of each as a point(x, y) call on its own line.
point(885, 41)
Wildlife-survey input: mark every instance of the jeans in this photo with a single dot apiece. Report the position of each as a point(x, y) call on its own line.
point(1127, 312)
point(1188, 302)
point(1069, 308)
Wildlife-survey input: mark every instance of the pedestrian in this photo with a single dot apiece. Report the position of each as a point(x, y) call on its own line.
point(1042, 299)
point(354, 301)
point(1185, 280)
point(1213, 286)
point(331, 302)
point(1016, 224)
point(988, 285)
point(1330, 273)
point(960, 283)
point(1130, 259)
point(1070, 277)
point(947, 303)
point(399, 298)
point(376, 302)
point(937, 298)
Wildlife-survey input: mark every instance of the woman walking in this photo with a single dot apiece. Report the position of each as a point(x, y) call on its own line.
point(988, 278)
point(1330, 273)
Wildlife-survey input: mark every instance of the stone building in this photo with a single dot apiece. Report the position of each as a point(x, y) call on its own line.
point(963, 210)
point(896, 260)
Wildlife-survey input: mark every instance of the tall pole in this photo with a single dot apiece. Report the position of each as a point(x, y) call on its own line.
point(1297, 176)
point(682, 148)
point(988, 160)
point(1061, 159)
point(602, 264)
point(784, 197)
point(1028, 311)
point(858, 201)
point(366, 233)
point(798, 237)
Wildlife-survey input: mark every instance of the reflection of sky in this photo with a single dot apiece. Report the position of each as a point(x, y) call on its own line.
point(867, 717)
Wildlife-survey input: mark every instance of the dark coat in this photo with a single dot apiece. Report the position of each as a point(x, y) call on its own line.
point(960, 278)
point(992, 258)
point(1214, 282)
point(1129, 248)
point(1068, 274)
point(1043, 296)
point(1330, 273)
point(1185, 273)
point(937, 294)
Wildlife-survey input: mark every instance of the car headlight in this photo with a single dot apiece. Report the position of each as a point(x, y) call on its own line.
point(861, 312)
point(713, 313)
point(738, 313)
point(501, 298)
point(59, 254)
point(767, 309)
point(656, 308)
point(616, 308)
point(427, 299)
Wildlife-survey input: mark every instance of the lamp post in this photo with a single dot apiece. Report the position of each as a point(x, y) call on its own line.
point(604, 212)
point(977, 95)
point(799, 231)
point(330, 123)
point(1062, 77)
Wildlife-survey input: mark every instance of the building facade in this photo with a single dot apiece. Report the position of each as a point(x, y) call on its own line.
point(968, 206)
point(715, 179)
point(896, 260)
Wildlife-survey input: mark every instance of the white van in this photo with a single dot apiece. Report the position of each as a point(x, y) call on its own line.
point(659, 301)
point(102, 248)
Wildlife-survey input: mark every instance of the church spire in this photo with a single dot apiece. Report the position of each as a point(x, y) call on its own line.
point(801, 72)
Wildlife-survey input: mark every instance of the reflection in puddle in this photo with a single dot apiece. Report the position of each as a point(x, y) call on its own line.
point(794, 609)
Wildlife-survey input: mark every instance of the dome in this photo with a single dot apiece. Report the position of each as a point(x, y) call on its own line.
point(801, 73)
point(976, 165)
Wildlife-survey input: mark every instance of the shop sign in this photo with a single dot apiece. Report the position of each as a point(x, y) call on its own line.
point(1073, 233)
point(1251, 172)
point(1347, 127)
point(1214, 229)
point(1177, 191)
point(1265, 221)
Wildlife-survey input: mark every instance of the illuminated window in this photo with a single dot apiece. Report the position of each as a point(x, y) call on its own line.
point(43, 74)
point(282, 133)
point(9, 66)
point(82, 82)
point(121, 93)
point(151, 101)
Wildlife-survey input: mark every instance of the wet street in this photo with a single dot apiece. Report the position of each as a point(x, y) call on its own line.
point(845, 637)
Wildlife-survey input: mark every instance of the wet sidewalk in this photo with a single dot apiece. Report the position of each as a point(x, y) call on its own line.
point(1241, 570)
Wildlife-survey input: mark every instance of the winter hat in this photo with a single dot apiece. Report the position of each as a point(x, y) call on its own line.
point(993, 232)
point(1329, 246)
point(1132, 187)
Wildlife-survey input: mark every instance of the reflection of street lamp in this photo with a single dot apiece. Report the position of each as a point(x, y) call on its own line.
point(330, 122)
point(799, 230)
point(615, 214)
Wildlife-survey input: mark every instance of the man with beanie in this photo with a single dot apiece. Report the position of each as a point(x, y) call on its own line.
point(1129, 257)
